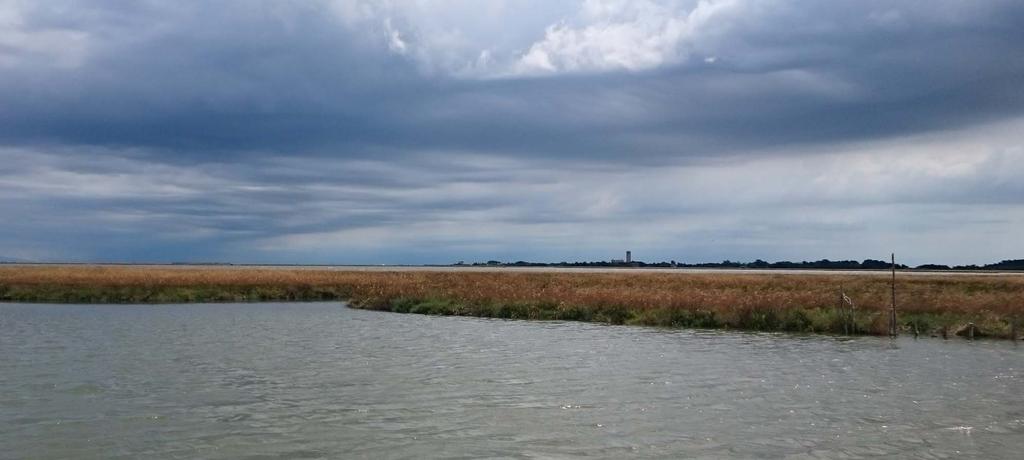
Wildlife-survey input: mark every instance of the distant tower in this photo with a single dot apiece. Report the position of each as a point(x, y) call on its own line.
point(629, 256)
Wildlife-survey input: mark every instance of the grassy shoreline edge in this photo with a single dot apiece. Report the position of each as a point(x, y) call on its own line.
point(813, 321)
point(775, 303)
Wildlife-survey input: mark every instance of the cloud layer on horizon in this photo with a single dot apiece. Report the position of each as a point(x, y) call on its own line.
point(388, 132)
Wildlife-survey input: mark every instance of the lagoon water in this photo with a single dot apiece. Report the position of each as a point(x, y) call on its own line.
point(312, 380)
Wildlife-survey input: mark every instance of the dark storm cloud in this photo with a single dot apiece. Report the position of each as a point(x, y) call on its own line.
point(377, 132)
point(208, 80)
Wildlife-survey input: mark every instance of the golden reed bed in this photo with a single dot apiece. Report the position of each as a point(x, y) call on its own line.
point(930, 304)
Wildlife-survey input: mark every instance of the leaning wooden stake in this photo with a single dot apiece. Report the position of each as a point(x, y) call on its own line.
point(842, 310)
point(892, 313)
point(849, 315)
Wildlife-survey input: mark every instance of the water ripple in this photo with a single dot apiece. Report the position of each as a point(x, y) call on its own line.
point(322, 381)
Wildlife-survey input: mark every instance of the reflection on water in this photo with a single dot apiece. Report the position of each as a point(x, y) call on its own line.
point(321, 380)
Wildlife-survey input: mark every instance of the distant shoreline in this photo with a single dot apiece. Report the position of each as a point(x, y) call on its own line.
point(538, 269)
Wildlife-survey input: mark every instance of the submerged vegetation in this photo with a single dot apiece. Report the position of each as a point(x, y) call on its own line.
point(928, 304)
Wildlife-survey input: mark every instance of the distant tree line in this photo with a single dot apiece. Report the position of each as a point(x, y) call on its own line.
point(824, 264)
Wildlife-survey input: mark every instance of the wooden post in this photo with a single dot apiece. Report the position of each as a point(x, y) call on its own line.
point(853, 317)
point(892, 313)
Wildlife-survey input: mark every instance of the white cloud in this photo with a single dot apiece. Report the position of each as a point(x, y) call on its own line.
point(395, 42)
point(528, 38)
point(616, 35)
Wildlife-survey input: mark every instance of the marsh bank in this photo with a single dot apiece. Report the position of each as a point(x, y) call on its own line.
point(766, 301)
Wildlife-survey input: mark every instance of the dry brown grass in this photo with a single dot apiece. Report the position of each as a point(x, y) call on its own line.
point(992, 300)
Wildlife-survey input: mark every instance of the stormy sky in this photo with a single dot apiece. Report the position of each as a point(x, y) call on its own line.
point(431, 131)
